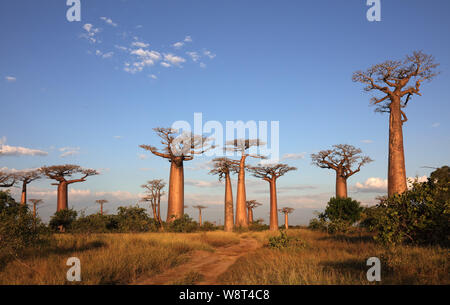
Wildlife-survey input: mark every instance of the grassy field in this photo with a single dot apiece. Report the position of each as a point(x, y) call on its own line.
point(110, 258)
point(316, 258)
point(320, 258)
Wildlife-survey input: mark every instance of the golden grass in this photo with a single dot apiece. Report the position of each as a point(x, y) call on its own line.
point(110, 258)
point(328, 259)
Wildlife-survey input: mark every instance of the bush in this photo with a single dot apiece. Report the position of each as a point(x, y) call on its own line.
point(62, 220)
point(208, 226)
point(96, 223)
point(258, 225)
point(135, 219)
point(343, 210)
point(318, 224)
point(183, 224)
point(284, 241)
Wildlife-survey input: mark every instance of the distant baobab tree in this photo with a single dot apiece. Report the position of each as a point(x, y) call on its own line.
point(342, 158)
point(60, 173)
point(154, 189)
point(242, 146)
point(177, 149)
point(35, 203)
point(7, 179)
point(251, 204)
point(26, 177)
point(200, 208)
point(223, 167)
point(271, 173)
point(101, 202)
point(392, 79)
point(286, 211)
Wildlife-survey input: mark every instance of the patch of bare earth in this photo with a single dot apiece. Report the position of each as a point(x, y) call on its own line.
point(208, 266)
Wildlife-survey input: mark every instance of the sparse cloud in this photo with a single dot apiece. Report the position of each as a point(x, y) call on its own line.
point(194, 56)
point(173, 59)
point(91, 33)
point(140, 44)
point(7, 150)
point(165, 64)
point(10, 79)
point(69, 151)
point(104, 55)
point(108, 21)
point(178, 45)
point(293, 156)
point(372, 185)
point(142, 156)
point(436, 125)
point(188, 39)
point(202, 65)
point(153, 76)
point(367, 141)
point(118, 137)
point(203, 183)
point(209, 54)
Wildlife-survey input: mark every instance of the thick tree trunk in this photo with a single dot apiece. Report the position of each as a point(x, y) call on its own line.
point(200, 217)
point(101, 209)
point(341, 185)
point(229, 217)
point(241, 209)
point(62, 196)
point(396, 167)
point(250, 215)
point(286, 221)
point(23, 199)
point(175, 207)
point(273, 205)
point(34, 211)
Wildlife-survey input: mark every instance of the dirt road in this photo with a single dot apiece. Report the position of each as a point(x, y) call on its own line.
point(203, 265)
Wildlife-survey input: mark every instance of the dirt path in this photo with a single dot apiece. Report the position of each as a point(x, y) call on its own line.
point(207, 264)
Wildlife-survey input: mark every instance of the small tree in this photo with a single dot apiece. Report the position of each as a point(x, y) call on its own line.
point(60, 173)
point(35, 203)
point(271, 173)
point(101, 202)
point(223, 167)
point(178, 149)
point(26, 177)
point(200, 208)
point(392, 79)
point(7, 179)
point(251, 204)
point(63, 219)
point(154, 189)
point(242, 146)
point(342, 158)
point(345, 210)
point(286, 211)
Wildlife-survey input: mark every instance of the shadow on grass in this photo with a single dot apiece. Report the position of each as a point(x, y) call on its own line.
point(354, 239)
point(350, 265)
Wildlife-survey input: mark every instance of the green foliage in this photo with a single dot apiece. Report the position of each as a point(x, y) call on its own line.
point(135, 219)
point(258, 225)
point(318, 224)
point(96, 223)
point(183, 224)
point(63, 218)
point(284, 241)
point(418, 216)
point(343, 209)
point(208, 226)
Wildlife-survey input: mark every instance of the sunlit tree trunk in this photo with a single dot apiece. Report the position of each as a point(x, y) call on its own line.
point(62, 196)
point(176, 191)
point(341, 185)
point(396, 168)
point(241, 205)
point(101, 209)
point(273, 205)
point(23, 199)
point(229, 217)
point(286, 221)
point(250, 215)
point(200, 217)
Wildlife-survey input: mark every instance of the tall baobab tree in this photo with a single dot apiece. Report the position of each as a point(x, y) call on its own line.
point(35, 203)
point(251, 204)
point(242, 146)
point(26, 177)
point(223, 167)
point(7, 179)
point(101, 202)
point(154, 189)
point(271, 173)
point(60, 173)
point(200, 208)
point(342, 158)
point(286, 211)
point(397, 81)
point(178, 149)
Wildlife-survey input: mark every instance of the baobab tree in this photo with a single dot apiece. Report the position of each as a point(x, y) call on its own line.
point(200, 208)
point(26, 177)
point(286, 211)
point(178, 149)
point(242, 146)
point(397, 81)
point(251, 204)
point(223, 167)
point(35, 203)
point(101, 202)
point(7, 179)
point(271, 173)
point(154, 189)
point(60, 173)
point(346, 160)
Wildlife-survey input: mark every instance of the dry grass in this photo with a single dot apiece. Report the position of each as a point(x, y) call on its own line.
point(327, 259)
point(110, 258)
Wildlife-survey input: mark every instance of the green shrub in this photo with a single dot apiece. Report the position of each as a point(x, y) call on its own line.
point(343, 209)
point(62, 220)
point(318, 224)
point(183, 224)
point(258, 225)
point(208, 226)
point(135, 219)
point(96, 223)
point(284, 241)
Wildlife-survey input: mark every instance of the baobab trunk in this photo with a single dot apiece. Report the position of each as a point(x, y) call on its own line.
point(229, 217)
point(341, 185)
point(176, 191)
point(200, 217)
point(250, 215)
point(62, 196)
point(101, 209)
point(396, 167)
point(23, 199)
point(286, 221)
point(273, 206)
point(241, 209)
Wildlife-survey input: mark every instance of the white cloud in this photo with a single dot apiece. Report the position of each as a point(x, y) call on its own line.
point(90, 32)
point(122, 48)
point(7, 150)
point(188, 39)
point(10, 79)
point(104, 55)
point(372, 185)
point(367, 141)
point(165, 64)
point(203, 183)
point(293, 156)
point(410, 180)
point(140, 44)
point(69, 151)
point(202, 65)
point(153, 76)
point(178, 45)
point(209, 54)
point(173, 59)
point(118, 137)
point(194, 55)
point(108, 21)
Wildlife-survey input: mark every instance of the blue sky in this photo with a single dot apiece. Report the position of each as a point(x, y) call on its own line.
point(66, 88)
